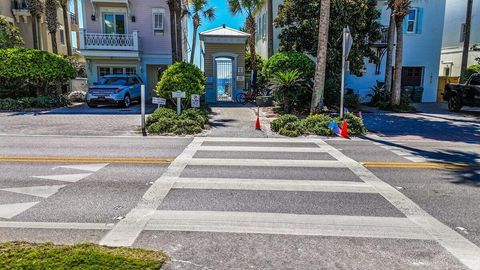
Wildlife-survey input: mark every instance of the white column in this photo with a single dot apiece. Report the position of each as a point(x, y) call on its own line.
point(82, 38)
point(135, 40)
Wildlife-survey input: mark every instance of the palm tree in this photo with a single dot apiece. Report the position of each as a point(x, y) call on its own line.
point(284, 84)
point(64, 5)
point(250, 7)
point(466, 41)
point(52, 22)
point(390, 44)
point(319, 81)
point(198, 9)
point(35, 7)
point(400, 9)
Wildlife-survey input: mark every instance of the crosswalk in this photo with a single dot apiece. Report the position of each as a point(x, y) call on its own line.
point(179, 203)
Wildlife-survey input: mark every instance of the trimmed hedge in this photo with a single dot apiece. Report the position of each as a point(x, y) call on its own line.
point(10, 104)
point(22, 68)
point(291, 126)
point(287, 61)
point(166, 121)
point(183, 77)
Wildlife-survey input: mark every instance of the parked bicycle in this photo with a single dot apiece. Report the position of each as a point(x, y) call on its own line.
point(244, 98)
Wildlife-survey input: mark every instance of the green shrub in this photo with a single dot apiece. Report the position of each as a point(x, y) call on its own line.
point(186, 126)
point(281, 121)
point(355, 124)
point(197, 115)
point(286, 61)
point(472, 70)
point(183, 77)
point(292, 129)
point(10, 36)
point(160, 113)
point(10, 104)
point(162, 125)
point(33, 69)
point(318, 124)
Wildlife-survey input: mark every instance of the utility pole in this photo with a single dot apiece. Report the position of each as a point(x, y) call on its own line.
point(466, 40)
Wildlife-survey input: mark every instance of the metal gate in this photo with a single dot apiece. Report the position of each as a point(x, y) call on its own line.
point(224, 79)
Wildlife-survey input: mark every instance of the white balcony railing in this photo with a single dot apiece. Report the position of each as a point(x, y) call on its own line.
point(100, 41)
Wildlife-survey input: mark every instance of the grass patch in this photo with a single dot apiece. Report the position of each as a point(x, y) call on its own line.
point(26, 256)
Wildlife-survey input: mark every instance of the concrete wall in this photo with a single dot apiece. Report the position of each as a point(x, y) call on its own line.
point(452, 48)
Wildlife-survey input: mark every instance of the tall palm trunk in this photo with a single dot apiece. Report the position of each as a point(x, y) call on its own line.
point(173, 30)
point(35, 32)
point(67, 27)
point(270, 28)
point(52, 22)
point(466, 41)
point(179, 30)
point(251, 25)
point(397, 74)
point(196, 23)
point(390, 43)
point(319, 83)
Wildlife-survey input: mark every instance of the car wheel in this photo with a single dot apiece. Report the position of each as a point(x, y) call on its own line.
point(92, 105)
point(454, 103)
point(127, 101)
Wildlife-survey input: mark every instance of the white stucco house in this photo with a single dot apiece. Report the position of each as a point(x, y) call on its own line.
point(423, 33)
point(453, 36)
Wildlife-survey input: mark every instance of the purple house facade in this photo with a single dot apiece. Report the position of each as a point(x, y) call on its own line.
point(126, 37)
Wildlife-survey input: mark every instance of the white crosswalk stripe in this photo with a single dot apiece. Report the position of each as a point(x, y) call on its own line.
point(417, 224)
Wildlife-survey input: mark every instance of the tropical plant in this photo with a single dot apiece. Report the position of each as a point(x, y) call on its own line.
point(64, 5)
point(196, 10)
point(284, 85)
point(37, 70)
point(400, 9)
point(183, 77)
point(52, 22)
point(299, 21)
point(321, 66)
point(9, 35)
point(471, 70)
point(36, 8)
point(250, 8)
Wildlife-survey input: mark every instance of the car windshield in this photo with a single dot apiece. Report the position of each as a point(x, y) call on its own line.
point(113, 81)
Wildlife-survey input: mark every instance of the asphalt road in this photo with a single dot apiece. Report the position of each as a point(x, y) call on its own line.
point(311, 204)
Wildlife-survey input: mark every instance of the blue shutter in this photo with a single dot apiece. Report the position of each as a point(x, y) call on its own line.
point(419, 20)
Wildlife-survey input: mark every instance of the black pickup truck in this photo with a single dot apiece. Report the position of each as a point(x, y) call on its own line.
point(459, 95)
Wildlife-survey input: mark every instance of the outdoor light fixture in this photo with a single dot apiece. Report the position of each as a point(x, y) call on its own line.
point(134, 19)
point(93, 17)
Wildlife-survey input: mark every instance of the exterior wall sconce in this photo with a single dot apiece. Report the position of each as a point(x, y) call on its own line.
point(133, 18)
point(93, 17)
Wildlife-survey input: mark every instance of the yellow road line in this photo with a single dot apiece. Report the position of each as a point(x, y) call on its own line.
point(63, 159)
point(420, 165)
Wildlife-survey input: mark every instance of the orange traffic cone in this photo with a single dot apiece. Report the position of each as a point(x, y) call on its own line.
point(257, 124)
point(344, 132)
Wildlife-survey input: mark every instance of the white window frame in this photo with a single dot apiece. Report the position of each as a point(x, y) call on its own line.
point(415, 21)
point(115, 21)
point(158, 30)
point(124, 70)
point(264, 25)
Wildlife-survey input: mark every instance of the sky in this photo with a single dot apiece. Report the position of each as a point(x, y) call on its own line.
point(222, 16)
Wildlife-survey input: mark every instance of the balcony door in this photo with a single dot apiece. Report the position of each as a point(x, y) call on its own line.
point(114, 23)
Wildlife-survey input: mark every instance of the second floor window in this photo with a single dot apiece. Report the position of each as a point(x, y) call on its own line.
point(62, 36)
point(412, 21)
point(158, 16)
point(114, 23)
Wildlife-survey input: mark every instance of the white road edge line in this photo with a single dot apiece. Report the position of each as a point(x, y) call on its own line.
point(464, 250)
point(128, 229)
point(274, 140)
point(291, 224)
point(273, 184)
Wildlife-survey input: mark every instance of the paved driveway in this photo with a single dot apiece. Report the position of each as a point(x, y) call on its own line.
point(77, 119)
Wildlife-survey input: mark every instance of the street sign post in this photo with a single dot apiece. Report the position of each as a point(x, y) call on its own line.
point(159, 101)
point(178, 95)
point(347, 46)
point(195, 101)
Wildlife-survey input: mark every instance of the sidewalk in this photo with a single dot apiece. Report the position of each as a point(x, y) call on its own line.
point(234, 120)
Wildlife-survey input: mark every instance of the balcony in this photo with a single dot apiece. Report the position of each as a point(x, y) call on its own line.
point(382, 42)
point(114, 45)
point(20, 10)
